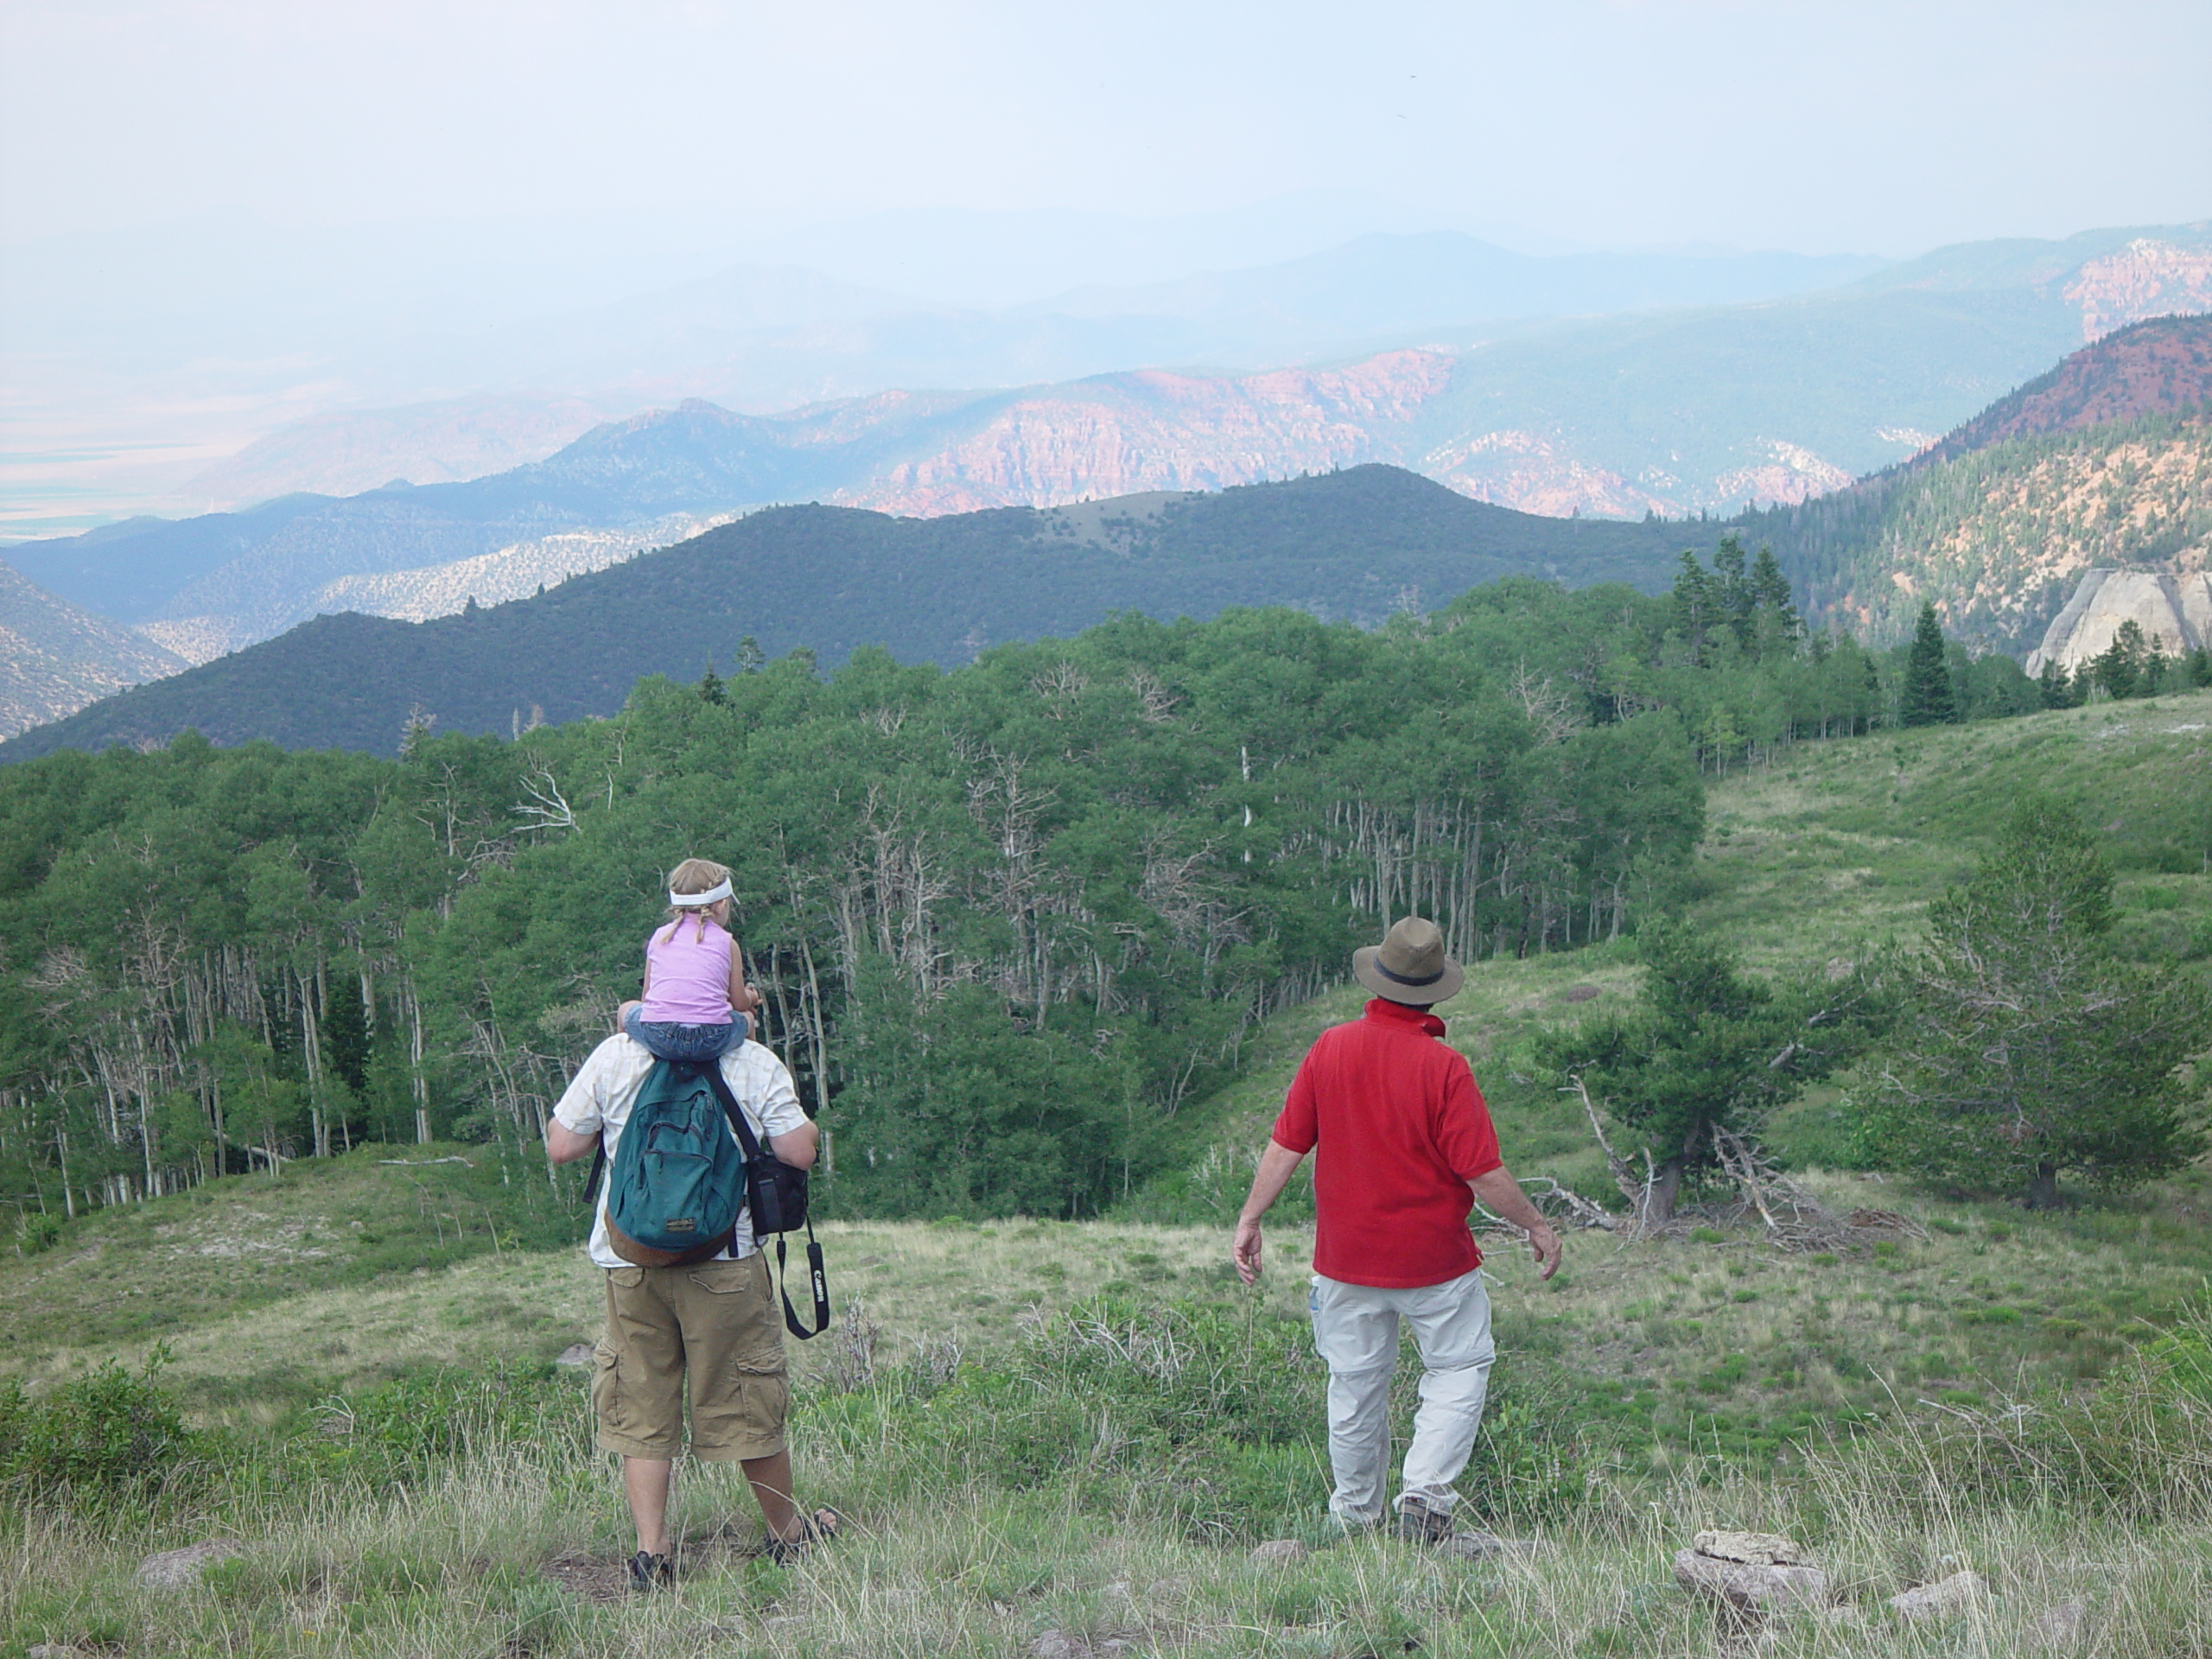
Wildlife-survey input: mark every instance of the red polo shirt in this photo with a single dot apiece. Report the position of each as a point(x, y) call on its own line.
point(1401, 1130)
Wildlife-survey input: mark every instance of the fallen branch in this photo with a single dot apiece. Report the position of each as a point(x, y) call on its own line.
point(422, 1163)
point(1623, 1175)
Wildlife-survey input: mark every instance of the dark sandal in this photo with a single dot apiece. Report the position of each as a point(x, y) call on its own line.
point(820, 1528)
point(650, 1572)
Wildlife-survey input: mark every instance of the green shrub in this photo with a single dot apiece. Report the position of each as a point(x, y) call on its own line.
point(37, 1234)
point(109, 1435)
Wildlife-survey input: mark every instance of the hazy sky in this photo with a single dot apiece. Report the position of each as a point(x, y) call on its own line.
point(1859, 125)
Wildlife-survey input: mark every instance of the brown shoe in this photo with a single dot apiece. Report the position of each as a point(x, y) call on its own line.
point(1419, 1524)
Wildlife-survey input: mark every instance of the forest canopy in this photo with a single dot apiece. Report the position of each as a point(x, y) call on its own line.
point(1009, 920)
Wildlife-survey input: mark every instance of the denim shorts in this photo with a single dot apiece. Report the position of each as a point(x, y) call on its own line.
point(665, 1040)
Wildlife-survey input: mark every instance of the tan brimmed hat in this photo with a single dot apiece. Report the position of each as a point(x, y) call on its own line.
point(1409, 965)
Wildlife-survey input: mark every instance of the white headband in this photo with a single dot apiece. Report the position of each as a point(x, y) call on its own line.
point(699, 900)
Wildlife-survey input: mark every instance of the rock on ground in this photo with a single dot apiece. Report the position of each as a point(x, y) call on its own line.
point(1745, 1585)
point(1279, 1549)
point(1752, 1548)
point(577, 1353)
point(178, 1569)
point(1953, 1595)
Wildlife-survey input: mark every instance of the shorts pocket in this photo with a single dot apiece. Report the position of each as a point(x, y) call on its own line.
point(729, 1278)
point(606, 1386)
point(625, 1278)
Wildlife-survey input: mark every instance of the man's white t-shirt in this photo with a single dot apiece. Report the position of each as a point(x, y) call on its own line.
point(606, 1086)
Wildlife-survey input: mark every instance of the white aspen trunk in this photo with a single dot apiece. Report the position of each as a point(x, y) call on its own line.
point(419, 1083)
point(815, 1026)
point(311, 1058)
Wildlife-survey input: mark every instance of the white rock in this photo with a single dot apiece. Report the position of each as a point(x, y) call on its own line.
point(177, 1569)
point(577, 1353)
point(2174, 613)
point(1753, 1548)
point(1955, 1594)
point(1750, 1584)
point(1280, 1550)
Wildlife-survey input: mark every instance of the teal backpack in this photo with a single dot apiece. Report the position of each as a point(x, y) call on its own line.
point(688, 1165)
point(678, 1183)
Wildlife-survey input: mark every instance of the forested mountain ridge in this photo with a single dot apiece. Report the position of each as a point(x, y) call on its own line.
point(2107, 460)
point(1360, 544)
point(2161, 366)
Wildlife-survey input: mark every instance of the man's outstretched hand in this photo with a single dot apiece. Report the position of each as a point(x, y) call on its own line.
point(1504, 1196)
point(1276, 1163)
point(1247, 1250)
point(1545, 1242)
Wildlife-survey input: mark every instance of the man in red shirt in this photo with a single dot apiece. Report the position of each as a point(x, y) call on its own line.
point(1404, 1147)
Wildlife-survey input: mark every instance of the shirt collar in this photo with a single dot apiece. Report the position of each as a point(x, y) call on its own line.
point(1400, 1013)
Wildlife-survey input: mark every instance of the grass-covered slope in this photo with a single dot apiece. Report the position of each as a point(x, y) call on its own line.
point(1080, 1427)
point(1359, 544)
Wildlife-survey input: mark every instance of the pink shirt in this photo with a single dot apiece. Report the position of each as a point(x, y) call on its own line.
point(688, 982)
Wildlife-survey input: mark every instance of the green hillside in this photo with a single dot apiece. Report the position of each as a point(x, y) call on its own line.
point(1079, 1428)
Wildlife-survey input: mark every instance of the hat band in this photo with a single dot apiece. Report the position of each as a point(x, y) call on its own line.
point(1382, 968)
point(699, 900)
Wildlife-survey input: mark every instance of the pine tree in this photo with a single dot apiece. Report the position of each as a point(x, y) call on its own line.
point(2119, 667)
point(1927, 699)
point(2032, 1049)
point(1733, 598)
point(1771, 593)
point(2051, 686)
point(1693, 597)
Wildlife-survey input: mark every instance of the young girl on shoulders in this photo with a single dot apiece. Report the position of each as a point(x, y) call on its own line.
point(697, 1003)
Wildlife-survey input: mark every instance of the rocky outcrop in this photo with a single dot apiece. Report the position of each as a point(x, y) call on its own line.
point(2174, 611)
point(2146, 278)
point(1126, 434)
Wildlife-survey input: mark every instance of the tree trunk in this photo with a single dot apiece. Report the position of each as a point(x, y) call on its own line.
point(1660, 1192)
point(2042, 1187)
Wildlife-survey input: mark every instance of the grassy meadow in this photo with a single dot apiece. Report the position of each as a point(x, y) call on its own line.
point(1065, 1438)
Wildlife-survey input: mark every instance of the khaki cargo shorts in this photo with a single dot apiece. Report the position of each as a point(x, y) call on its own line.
point(713, 1326)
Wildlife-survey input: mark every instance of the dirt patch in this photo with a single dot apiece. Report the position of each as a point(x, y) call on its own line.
point(595, 1580)
point(1579, 993)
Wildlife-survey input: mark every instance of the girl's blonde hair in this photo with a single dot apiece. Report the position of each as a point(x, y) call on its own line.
point(694, 875)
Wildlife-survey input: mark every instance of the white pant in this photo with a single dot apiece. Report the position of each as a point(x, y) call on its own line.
point(1355, 1333)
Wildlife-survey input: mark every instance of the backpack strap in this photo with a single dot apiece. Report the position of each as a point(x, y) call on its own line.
point(598, 1169)
point(817, 1276)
